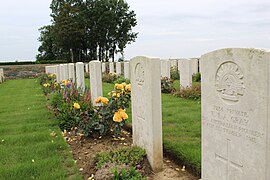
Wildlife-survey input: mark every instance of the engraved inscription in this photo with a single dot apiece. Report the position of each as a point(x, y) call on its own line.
point(233, 122)
point(230, 82)
point(143, 133)
point(140, 106)
point(139, 74)
point(231, 164)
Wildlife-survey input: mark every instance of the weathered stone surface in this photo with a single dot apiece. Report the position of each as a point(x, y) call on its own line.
point(235, 114)
point(146, 108)
point(95, 80)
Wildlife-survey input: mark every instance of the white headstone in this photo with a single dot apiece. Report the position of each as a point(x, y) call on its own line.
point(185, 69)
point(47, 69)
point(80, 76)
point(118, 68)
point(54, 69)
point(235, 114)
point(126, 70)
point(71, 72)
point(62, 71)
point(58, 73)
point(146, 108)
point(195, 65)
point(111, 67)
point(165, 68)
point(66, 76)
point(95, 80)
point(103, 67)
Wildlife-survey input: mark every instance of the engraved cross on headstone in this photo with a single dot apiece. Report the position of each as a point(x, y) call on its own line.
point(230, 163)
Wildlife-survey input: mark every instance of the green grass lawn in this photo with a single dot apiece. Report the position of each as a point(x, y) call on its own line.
point(27, 151)
point(181, 127)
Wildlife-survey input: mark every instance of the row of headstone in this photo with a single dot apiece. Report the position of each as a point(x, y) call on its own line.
point(117, 68)
point(2, 77)
point(76, 74)
point(67, 71)
point(166, 66)
point(235, 112)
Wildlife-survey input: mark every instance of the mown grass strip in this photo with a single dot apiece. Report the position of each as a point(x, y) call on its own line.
point(27, 150)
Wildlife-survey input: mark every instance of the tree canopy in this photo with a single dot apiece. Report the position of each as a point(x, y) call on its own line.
point(84, 30)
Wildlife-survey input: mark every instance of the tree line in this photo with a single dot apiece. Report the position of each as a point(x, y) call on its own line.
point(84, 30)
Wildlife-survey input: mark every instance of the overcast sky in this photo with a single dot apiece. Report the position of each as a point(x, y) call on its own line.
point(167, 29)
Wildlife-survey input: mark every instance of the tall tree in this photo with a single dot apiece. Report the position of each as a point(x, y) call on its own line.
point(47, 49)
point(90, 29)
point(68, 27)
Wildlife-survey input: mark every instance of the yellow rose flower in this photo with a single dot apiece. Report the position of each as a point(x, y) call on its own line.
point(124, 84)
point(123, 113)
point(46, 84)
point(76, 106)
point(117, 117)
point(52, 75)
point(119, 86)
point(120, 115)
point(128, 87)
point(66, 82)
point(104, 100)
point(98, 100)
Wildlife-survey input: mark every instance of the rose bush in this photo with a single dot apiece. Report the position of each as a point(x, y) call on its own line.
point(74, 108)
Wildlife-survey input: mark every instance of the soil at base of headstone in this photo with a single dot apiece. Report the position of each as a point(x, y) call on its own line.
point(84, 151)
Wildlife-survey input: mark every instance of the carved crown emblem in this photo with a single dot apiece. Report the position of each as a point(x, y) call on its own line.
point(230, 82)
point(139, 73)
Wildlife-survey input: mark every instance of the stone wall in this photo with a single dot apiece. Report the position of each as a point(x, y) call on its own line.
point(23, 71)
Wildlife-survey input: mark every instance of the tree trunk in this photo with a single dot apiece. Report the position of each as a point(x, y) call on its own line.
point(80, 55)
point(72, 55)
point(99, 54)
